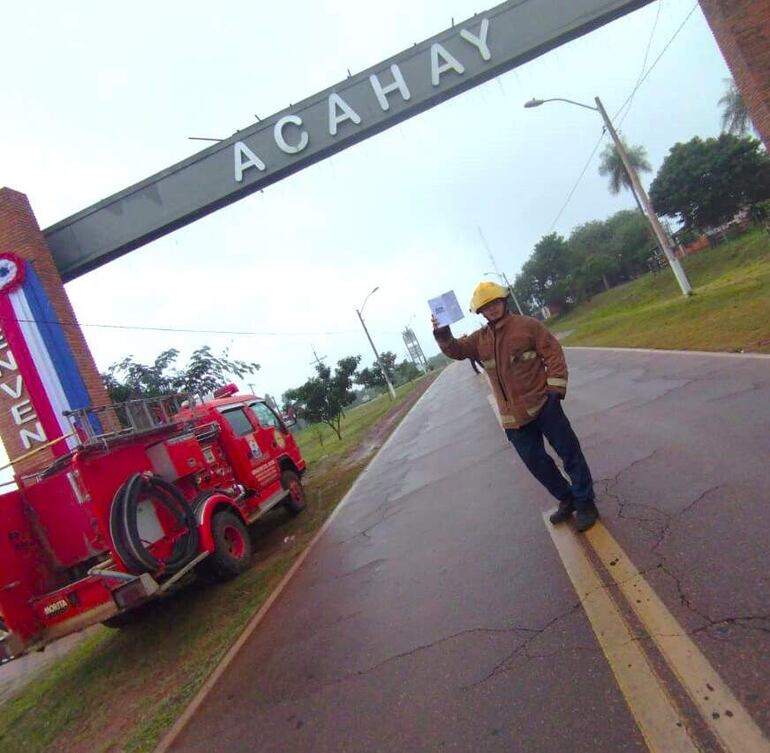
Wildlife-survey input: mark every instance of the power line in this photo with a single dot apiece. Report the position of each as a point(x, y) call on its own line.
point(182, 330)
point(644, 62)
point(641, 80)
point(179, 329)
point(577, 183)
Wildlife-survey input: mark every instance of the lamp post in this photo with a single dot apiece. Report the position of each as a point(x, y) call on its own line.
point(369, 338)
point(652, 218)
point(509, 286)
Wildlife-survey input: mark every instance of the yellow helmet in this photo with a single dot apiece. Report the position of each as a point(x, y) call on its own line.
point(485, 293)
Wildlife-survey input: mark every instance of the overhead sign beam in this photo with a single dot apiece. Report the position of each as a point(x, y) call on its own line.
point(421, 77)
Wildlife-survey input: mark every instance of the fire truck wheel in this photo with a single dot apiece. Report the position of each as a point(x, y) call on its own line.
point(295, 501)
point(232, 552)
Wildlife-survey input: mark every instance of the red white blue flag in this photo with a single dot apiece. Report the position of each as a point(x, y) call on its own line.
point(46, 368)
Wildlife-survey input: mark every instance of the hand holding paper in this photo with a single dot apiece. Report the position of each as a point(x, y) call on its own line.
point(445, 310)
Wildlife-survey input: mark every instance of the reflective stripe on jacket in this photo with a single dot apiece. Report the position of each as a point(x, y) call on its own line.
point(523, 360)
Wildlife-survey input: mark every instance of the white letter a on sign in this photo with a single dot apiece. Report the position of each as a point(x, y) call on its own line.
point(244, 159)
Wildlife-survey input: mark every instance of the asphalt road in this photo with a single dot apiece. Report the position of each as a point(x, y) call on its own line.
point(437, 613)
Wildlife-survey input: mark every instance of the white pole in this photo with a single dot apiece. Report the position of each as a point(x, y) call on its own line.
point(660, 233)
point(377, 357)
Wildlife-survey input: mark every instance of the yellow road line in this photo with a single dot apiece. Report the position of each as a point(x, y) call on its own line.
point(653, 710)
point(725, 716)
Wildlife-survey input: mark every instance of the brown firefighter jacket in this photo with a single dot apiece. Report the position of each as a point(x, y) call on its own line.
point(523, 360)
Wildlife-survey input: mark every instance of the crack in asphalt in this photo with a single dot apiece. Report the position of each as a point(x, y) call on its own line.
point(501, 665)
point(365, 568)
point(365, 532)
point(661, 529)
point(639, 633)
point(741, 622)
point(710, 622)
point(752, 388)
point(438, 642)
point(635, 400)
point(403, 655)
point(614, 479)
point(672, 518)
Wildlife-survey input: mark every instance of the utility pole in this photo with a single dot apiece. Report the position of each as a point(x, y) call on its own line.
point(377, 357)
point(498, 273)
point(513, 295)
point(316, 360)
point(641, 194)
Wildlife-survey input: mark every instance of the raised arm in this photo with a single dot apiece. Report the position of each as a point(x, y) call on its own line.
point(460, 348)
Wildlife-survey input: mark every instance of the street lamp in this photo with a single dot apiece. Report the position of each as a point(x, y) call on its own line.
point(509, 286)
point(652, 218)
point(376, 354)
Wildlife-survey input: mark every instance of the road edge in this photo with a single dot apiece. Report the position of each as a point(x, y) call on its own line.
point(208, 685)
point(662, 351)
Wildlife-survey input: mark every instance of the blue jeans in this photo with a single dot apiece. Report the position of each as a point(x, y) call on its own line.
point(552, 424)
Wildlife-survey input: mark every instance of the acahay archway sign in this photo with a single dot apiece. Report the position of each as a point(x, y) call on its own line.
point(45, 364)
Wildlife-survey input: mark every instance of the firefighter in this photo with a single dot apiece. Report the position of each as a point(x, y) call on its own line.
point(528, 373)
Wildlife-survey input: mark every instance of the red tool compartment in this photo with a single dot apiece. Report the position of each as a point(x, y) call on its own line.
point(177, 457)
point(63, 518)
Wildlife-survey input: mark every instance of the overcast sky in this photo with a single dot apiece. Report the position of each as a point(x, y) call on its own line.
point(97, 96)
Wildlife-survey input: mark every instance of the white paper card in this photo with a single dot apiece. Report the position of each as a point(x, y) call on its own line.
point(446, 309)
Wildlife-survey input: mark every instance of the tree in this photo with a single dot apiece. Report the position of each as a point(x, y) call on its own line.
point(705, 183)
point(591, 259)
point(630, 242)
point(129, 379)
point(612, 166)
point(406, 371)
point(323, 398)
point(372, 376)
point(735, 115)
point(545, 274)
point(596, 255)
point(205, 372)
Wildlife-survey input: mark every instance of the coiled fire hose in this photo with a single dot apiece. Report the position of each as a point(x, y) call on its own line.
point(124, 525)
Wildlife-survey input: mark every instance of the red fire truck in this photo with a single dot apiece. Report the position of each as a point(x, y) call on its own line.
point(155, 489)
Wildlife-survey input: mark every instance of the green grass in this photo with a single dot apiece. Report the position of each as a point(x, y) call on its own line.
point(318, 441)
point(121, 690)
point(730, 310)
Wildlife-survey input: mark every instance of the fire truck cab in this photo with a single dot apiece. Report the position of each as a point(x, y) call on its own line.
point(155, 489)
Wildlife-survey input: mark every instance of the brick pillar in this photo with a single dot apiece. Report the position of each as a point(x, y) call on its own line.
point(20, 234)
point(742, 31)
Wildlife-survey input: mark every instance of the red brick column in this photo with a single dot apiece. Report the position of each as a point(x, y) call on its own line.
point(20, 234)
point(742, 31)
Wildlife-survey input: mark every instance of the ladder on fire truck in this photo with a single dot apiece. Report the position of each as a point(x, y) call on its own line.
point(105, 424)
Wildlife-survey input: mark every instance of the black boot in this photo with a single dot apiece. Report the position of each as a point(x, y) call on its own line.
point(564, 513)
point(586, 517)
